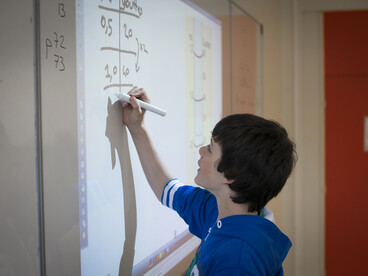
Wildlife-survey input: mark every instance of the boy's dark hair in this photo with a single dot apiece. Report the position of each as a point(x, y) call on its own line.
point(257, 154)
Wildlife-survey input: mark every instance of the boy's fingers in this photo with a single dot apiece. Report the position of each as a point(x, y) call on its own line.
point(134, 102)
point(133, 90)
point(136, 93)
point(141, 95)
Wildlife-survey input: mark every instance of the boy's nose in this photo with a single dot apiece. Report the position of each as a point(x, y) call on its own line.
point(201, 150)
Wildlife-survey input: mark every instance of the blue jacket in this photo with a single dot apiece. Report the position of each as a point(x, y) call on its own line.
point(235, 245)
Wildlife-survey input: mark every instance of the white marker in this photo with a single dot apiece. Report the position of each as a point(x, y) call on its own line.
point(125, 98)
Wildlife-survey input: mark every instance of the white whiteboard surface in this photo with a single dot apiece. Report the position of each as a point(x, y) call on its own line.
point(156, 50)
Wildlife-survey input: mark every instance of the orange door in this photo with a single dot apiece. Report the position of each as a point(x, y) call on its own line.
point(346, 93)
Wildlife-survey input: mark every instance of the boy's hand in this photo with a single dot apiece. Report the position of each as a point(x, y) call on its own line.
point(132, 112)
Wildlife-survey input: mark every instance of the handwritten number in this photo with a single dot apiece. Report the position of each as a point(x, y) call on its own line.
point(114, 71)
point(103, 21)
point(56, 40)
point(125, 72)
point(108, 76)
point(48, 45)
point(59, 62)
point(130, 32)
point(62, 63)
point(56, 60)
point(62, 42)
point(107, 26)
point(61, 10)
point(143, 48)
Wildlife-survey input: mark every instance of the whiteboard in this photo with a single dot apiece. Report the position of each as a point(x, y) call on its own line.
point(101, 217)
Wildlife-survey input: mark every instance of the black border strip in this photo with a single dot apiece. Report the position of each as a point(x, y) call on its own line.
point(38, 139)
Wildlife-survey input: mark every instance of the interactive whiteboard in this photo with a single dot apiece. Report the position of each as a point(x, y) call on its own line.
point(173, 50)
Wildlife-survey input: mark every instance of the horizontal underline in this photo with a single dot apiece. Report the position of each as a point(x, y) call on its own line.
point(117, 50)
point(118, 85)
point(118, 11)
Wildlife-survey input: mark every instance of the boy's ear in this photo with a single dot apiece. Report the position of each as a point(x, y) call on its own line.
point(228, 181)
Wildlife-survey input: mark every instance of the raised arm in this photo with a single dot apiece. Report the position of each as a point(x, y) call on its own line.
point(155, 172)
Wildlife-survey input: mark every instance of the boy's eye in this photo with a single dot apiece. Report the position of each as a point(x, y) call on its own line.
point(209, 148)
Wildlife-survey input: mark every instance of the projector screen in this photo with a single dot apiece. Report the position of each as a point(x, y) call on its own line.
point(173, 50)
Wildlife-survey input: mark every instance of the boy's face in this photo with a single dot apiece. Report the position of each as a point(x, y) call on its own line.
point(207, 175)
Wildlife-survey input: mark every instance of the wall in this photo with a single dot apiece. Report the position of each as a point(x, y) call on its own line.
point(278, 95)
point(18, 195)
point(294, 94)
point(241, 89)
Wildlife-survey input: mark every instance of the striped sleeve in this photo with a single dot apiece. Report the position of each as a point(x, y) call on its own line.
point(169, 191)
point(196, 206)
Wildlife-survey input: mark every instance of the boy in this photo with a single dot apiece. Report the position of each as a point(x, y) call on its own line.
point(246, 164)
